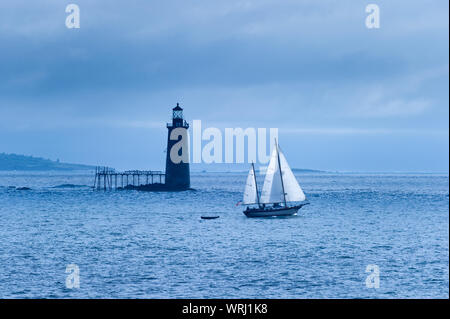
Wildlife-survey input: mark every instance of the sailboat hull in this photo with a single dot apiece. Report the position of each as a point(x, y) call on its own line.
point(272, 212)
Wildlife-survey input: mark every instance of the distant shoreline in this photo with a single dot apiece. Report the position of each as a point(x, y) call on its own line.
point(22, 163)
point(91, 172)
point(15, 162)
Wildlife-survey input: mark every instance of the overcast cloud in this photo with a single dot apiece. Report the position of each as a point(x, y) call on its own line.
point(343, 96)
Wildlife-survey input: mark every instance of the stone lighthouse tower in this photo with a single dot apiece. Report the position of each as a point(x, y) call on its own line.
point(177, 159)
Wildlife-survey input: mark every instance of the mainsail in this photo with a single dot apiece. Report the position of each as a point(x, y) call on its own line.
point(279, 176)
point(250, 192)
point(294, 192)
point(272, 191)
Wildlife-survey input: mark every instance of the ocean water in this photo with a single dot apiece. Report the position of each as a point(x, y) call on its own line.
point(129, 244)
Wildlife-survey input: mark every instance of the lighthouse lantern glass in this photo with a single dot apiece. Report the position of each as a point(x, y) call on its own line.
point(177, 114)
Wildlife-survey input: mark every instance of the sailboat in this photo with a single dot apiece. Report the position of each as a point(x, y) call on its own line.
point(280, 189)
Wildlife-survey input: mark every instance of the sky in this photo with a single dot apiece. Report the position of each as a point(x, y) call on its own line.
point(344, 97)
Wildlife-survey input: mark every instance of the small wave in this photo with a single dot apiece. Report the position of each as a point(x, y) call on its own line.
point(69, 186)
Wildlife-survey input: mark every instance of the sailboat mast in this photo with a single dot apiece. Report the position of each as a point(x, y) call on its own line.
point(281, 173)
point(256, 184)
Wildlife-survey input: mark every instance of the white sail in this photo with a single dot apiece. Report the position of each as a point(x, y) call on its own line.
point(250, 195)
point(272, 191)
point(294, 192)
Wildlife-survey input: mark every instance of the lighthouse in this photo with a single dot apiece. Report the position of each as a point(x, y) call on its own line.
point(177, 176)
point(177, 158)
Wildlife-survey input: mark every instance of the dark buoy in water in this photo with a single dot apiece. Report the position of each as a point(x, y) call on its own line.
point(210, 217)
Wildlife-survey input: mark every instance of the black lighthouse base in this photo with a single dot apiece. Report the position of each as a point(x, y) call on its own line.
point(156, 187)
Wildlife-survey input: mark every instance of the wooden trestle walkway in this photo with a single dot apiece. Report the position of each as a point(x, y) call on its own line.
point(108, 178)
